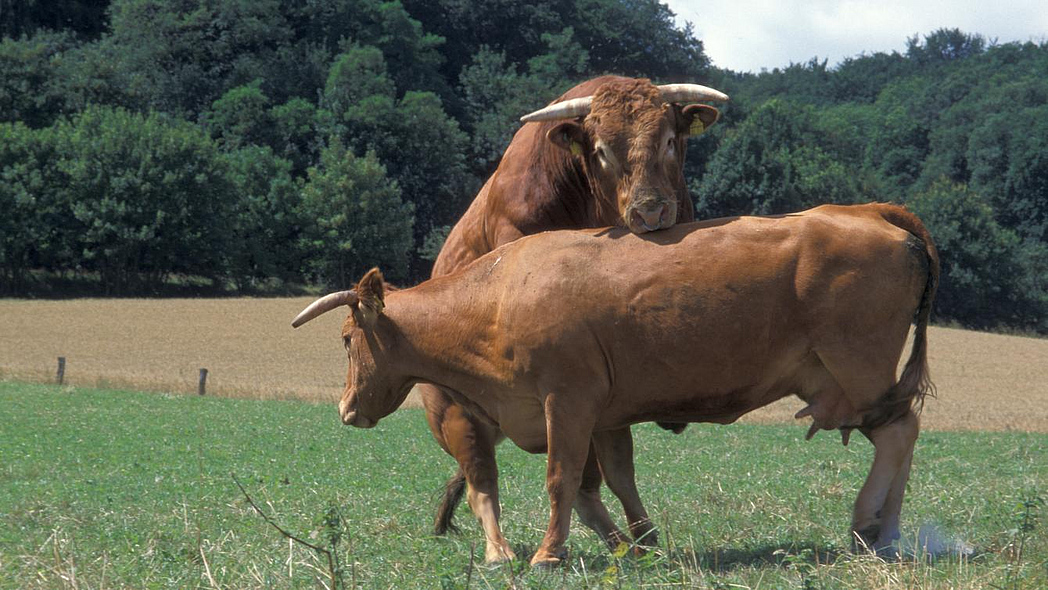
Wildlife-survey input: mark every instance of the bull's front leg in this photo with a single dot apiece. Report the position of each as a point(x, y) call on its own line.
point(568, 430)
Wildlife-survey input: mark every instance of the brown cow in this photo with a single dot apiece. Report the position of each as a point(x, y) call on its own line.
point(608, 152)
point(575, 335)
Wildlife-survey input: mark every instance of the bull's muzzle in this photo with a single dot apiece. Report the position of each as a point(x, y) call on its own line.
point(651, 216)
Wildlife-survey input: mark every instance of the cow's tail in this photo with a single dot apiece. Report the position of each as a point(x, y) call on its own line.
point(452, 496)
point(915, 382)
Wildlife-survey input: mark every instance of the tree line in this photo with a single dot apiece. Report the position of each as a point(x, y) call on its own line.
point(257, 145)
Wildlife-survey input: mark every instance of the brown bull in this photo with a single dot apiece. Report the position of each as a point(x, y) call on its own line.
point(608, 152)
point(575, 335)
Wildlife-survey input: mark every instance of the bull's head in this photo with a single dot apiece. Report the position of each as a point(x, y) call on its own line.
point(630, 137)
point(371, 390)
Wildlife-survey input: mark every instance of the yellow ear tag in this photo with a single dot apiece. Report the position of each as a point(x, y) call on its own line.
point(576, 148)
point(697, 127)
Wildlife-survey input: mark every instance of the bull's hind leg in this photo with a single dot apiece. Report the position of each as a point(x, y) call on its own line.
point(472, 444)
point(875, 521)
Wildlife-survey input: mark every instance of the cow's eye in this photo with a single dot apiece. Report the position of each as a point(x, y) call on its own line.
point(345, 342)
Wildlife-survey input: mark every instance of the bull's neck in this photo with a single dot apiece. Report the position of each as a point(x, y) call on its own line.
point(574, 193)
point(445, 334)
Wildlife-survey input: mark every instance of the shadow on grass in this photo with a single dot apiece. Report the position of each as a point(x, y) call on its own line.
point(717, 559)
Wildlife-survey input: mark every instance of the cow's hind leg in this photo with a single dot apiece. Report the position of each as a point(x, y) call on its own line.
point(864, 376)
point(875, 521)
point(589, 507)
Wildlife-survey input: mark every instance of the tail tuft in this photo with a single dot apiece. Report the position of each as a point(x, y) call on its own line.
point(453, 491)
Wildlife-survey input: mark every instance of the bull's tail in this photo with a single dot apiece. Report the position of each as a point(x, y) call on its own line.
point(452, 496)
point(915, 383)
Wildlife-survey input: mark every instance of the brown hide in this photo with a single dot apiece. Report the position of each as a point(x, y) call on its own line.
point(702, 322)
point(563, 336)
point(540, 185)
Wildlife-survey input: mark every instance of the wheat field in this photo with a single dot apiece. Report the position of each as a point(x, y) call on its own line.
point(985, 381)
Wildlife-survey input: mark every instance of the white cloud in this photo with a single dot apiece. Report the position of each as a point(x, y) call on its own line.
point(748, 35)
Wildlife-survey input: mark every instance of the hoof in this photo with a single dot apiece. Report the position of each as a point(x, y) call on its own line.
point(864, 540)
point(546, 560)
point(499, 556)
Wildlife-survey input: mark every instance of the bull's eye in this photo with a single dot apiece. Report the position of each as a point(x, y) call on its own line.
point(345, 342)
point(671, 145)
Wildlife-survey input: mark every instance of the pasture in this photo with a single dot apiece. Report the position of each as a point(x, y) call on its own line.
point(108, 489)
point(985, 381)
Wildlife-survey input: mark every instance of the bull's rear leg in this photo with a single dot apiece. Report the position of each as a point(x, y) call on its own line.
point(615, 452)
point(875, 521)
point(472, 443)
point(589, 507)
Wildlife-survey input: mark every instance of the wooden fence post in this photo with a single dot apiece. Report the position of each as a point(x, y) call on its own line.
point(203, 382)
point(61, 369)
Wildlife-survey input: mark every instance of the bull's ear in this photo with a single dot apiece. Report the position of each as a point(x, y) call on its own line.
point(698, 118)
point(371, 290)
point(569, 136)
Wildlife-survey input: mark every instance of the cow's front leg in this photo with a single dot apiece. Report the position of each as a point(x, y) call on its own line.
point(568, 432)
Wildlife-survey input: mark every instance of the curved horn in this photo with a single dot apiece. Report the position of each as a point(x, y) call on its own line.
point(568, 109)
point(324, 305)
point(682, 93)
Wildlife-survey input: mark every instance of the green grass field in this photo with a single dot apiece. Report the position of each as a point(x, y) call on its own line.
point(107, 489)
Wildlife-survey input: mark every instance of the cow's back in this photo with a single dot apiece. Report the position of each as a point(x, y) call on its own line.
point(684, 305)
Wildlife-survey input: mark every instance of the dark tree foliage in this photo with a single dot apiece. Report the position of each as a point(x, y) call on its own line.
point(24, 18)
point(262, 143)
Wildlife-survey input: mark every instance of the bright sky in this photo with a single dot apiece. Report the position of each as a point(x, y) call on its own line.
point(748, 35)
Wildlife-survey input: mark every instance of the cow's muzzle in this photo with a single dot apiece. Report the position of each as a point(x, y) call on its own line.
point(352, 417)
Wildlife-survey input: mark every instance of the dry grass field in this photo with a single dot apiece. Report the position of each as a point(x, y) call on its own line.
point(985, 381)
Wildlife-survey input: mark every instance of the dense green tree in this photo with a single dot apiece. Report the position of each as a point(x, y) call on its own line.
point(33, 214)
point(496, 95)
point(241, 117)
point(990, 277)
point(149, 196)
point(185, 54)
point(24, 18)
point(354, 219)
point(774, 163)
point(30, 91)
point(266, 223)
point(422, 148)
point(944, 45)
point(294, 135)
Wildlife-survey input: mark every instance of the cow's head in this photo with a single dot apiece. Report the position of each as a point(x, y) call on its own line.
point(372, 392)
point(630, 137)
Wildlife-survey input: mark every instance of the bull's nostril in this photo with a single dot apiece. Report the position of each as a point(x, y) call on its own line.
point(650, 218)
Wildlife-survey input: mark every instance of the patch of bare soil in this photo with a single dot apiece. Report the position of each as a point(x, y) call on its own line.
point(984, 381)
